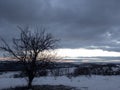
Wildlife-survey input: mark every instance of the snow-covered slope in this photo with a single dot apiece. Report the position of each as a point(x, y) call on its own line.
point(83, 82)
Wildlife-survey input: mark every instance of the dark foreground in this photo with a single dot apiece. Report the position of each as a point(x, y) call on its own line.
point(44, 87)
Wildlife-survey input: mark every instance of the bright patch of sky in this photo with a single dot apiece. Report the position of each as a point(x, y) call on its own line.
point(81, 52)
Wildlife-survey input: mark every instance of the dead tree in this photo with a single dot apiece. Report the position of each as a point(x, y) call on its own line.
point(29, 47)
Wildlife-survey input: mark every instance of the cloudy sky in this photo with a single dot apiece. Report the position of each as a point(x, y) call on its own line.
point(80, 24)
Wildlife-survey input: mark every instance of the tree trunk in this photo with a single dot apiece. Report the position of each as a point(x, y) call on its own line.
point(30, 83)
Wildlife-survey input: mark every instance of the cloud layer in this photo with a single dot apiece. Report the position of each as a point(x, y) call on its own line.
point(78, 23)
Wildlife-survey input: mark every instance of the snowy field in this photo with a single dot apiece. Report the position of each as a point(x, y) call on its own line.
point(81, 82)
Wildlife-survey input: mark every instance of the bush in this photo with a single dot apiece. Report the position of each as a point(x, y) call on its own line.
point(81, 71)
point(42, 73)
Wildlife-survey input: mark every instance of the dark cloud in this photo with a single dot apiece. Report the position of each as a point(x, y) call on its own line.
point(79, 23)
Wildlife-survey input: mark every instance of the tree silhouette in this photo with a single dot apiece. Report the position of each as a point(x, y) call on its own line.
point(29, 48)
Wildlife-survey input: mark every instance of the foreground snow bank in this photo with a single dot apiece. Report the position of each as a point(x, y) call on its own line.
point(11, 82)
point(86, 83)
point(90, 83)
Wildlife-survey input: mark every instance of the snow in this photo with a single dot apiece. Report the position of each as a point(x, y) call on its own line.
point(11, 82)
point(83, 82)
point(8, 74)
point(92, 83)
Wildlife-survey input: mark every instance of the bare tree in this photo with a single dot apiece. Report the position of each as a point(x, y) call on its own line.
point(29, 47)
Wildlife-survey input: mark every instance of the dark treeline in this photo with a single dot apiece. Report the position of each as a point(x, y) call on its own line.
point(18, 66)
point(59, 69)
point(98, 69)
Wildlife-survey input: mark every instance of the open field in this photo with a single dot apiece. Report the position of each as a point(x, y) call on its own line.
point(95, 82)
point(86, 76)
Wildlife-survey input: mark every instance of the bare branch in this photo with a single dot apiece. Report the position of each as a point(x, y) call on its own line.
point(29, 48)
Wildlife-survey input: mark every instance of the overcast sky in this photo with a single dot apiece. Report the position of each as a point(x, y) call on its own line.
point(93, 24)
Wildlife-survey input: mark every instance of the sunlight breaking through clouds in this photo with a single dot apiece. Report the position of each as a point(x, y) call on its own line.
point(80, 52)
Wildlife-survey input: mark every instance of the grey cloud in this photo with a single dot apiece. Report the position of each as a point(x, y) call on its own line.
point(79, 23)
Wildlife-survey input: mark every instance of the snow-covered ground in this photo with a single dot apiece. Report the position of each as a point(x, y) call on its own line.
point(83, 82)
